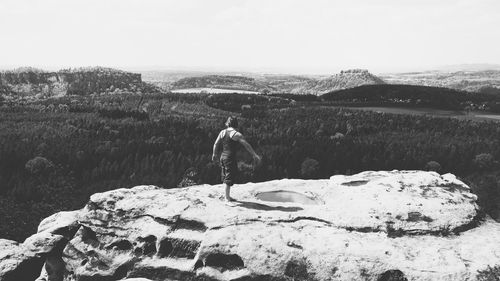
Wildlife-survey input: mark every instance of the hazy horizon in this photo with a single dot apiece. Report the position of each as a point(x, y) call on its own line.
point(281, 36)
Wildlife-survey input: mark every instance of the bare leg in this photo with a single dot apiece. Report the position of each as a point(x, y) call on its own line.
point(228, 191)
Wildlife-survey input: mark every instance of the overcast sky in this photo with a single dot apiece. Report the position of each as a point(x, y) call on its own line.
point(306, 36)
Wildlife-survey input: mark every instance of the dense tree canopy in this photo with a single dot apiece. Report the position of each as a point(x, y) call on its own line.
point(55, 153)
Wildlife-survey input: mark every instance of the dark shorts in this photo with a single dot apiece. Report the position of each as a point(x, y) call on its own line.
point(229, 171)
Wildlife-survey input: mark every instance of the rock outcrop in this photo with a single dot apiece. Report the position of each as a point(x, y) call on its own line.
point(18, 262)
point(84, 81)
point(399, 225)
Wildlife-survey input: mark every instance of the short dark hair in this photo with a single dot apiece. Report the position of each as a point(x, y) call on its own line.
point(232, 122)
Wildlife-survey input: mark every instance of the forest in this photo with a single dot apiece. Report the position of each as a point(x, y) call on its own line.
point(55, 153)
point(416, 96)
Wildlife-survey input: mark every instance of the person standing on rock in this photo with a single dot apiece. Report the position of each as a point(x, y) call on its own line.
point(229, 139)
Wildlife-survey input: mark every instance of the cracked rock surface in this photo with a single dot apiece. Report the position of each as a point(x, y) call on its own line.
point(410, 225)
point(17, 262)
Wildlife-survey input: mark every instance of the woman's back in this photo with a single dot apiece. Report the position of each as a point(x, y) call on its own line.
point(229, 146)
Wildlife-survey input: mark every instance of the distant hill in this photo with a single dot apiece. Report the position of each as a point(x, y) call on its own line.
point(164, 78)
point(482, 78)
point(344, 80)
point(29, 82)
point(468, 67)
point(221, 82)
point(281, 84)
point(472, 81)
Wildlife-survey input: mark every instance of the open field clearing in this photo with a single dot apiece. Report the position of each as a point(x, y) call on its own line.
point(433, 112)
point(213, 91)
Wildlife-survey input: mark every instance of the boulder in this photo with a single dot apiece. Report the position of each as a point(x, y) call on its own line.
point(397, 225)
point(44, 242)
point(62, 223)
point(18, 263)
point(24, 262)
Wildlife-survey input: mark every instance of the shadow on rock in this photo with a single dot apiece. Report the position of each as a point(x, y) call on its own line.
point(263, 207)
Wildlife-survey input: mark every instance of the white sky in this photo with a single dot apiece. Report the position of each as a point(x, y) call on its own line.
point(306, 36)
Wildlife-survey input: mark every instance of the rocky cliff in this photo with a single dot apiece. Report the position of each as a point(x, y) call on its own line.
point(399, 225)
point(82, 81)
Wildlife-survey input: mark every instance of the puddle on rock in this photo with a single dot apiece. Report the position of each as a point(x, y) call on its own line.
point(286, 196)
point(355, 183)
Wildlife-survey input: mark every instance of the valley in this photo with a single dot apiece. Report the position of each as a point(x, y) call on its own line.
point(57, 150)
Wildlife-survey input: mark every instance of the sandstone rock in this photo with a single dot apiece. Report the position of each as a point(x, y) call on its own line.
point(54, 269)
point(399, 225)
point(44, 242)
point(63, 223)
point(18, 263)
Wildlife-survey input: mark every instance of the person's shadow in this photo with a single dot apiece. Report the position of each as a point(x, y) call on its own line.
point(264, 207)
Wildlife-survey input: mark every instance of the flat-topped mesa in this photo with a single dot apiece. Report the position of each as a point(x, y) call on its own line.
point(77, 81)
point(406, 224)
point(347, 71)
point(346, 79)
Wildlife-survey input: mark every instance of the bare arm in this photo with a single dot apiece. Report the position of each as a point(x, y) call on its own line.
point(239, 137)
point(216, 147)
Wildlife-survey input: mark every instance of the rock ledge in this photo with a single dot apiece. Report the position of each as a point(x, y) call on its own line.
point(373, 225)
